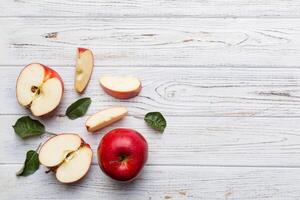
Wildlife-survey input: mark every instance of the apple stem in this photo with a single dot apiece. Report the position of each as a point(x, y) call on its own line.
point(122, 157)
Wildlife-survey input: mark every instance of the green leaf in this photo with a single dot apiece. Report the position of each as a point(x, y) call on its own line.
point(31, 164)
point(156, 120)
point(26, 127)
point(78, 108)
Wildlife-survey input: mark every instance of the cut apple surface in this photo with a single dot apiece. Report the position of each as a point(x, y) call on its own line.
point(75, 166)
point(105, 118)
point(84, 68)
point(67, 155)
point(56, 149)
point(39, 88)
point(121, 87)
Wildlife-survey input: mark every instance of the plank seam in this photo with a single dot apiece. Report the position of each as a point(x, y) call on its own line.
point(167, 66)
point(153, 17)
point(201, 165)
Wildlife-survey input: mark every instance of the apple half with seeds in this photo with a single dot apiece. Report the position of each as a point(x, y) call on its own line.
point(121, 87)
point(68, 156)
point(39, 88)
point(84, 68)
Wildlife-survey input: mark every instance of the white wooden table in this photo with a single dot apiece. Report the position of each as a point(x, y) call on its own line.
point(225, 73)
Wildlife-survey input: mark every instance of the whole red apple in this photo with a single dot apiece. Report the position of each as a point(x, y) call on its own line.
point(122, 154)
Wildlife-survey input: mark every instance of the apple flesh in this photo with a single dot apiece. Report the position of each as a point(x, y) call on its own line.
point(68, 156)
point(105, 118)
point(84, 68)
point(121, 87)
point(122, 154)
point(39, 88)
point(75, 166)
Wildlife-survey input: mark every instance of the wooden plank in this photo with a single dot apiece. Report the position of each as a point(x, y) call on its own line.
point(210, 92)
point(202, 141)
point(152, 41)
point(158, 8)
point(159, 182)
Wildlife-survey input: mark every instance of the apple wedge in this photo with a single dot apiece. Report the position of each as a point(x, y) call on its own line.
point(121, 87)
point(67, 155)
point(105, 118)
point(84, 68)
point(39, 88)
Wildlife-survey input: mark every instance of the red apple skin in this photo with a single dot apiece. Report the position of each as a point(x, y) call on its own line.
point(122, 95)
point(81, 50)
point(49, 73)
point(122, 154)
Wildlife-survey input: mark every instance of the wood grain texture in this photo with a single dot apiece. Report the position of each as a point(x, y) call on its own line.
point(158, 8)
point(225, 74)
point(208, 92)
point(152, 41)
point(159, 182)
point(189, 141)
point(192, 101)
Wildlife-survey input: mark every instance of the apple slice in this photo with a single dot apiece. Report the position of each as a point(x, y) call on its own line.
point(67, 155)
point(84, 68)
point(121, 87)
point(105, 118)
point(39, 88)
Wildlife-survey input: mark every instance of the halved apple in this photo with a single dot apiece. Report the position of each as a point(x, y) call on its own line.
point(75, 166)
point(39, 88)
point(105, 118)
point(84, 68)
point(121, 87)
point(68, 156)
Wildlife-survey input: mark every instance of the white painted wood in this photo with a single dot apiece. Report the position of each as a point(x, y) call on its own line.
point(152, 41)
point(159, 182)
point(230, 141)
point(213, 92)
point(225, 73)
point(146, 8)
